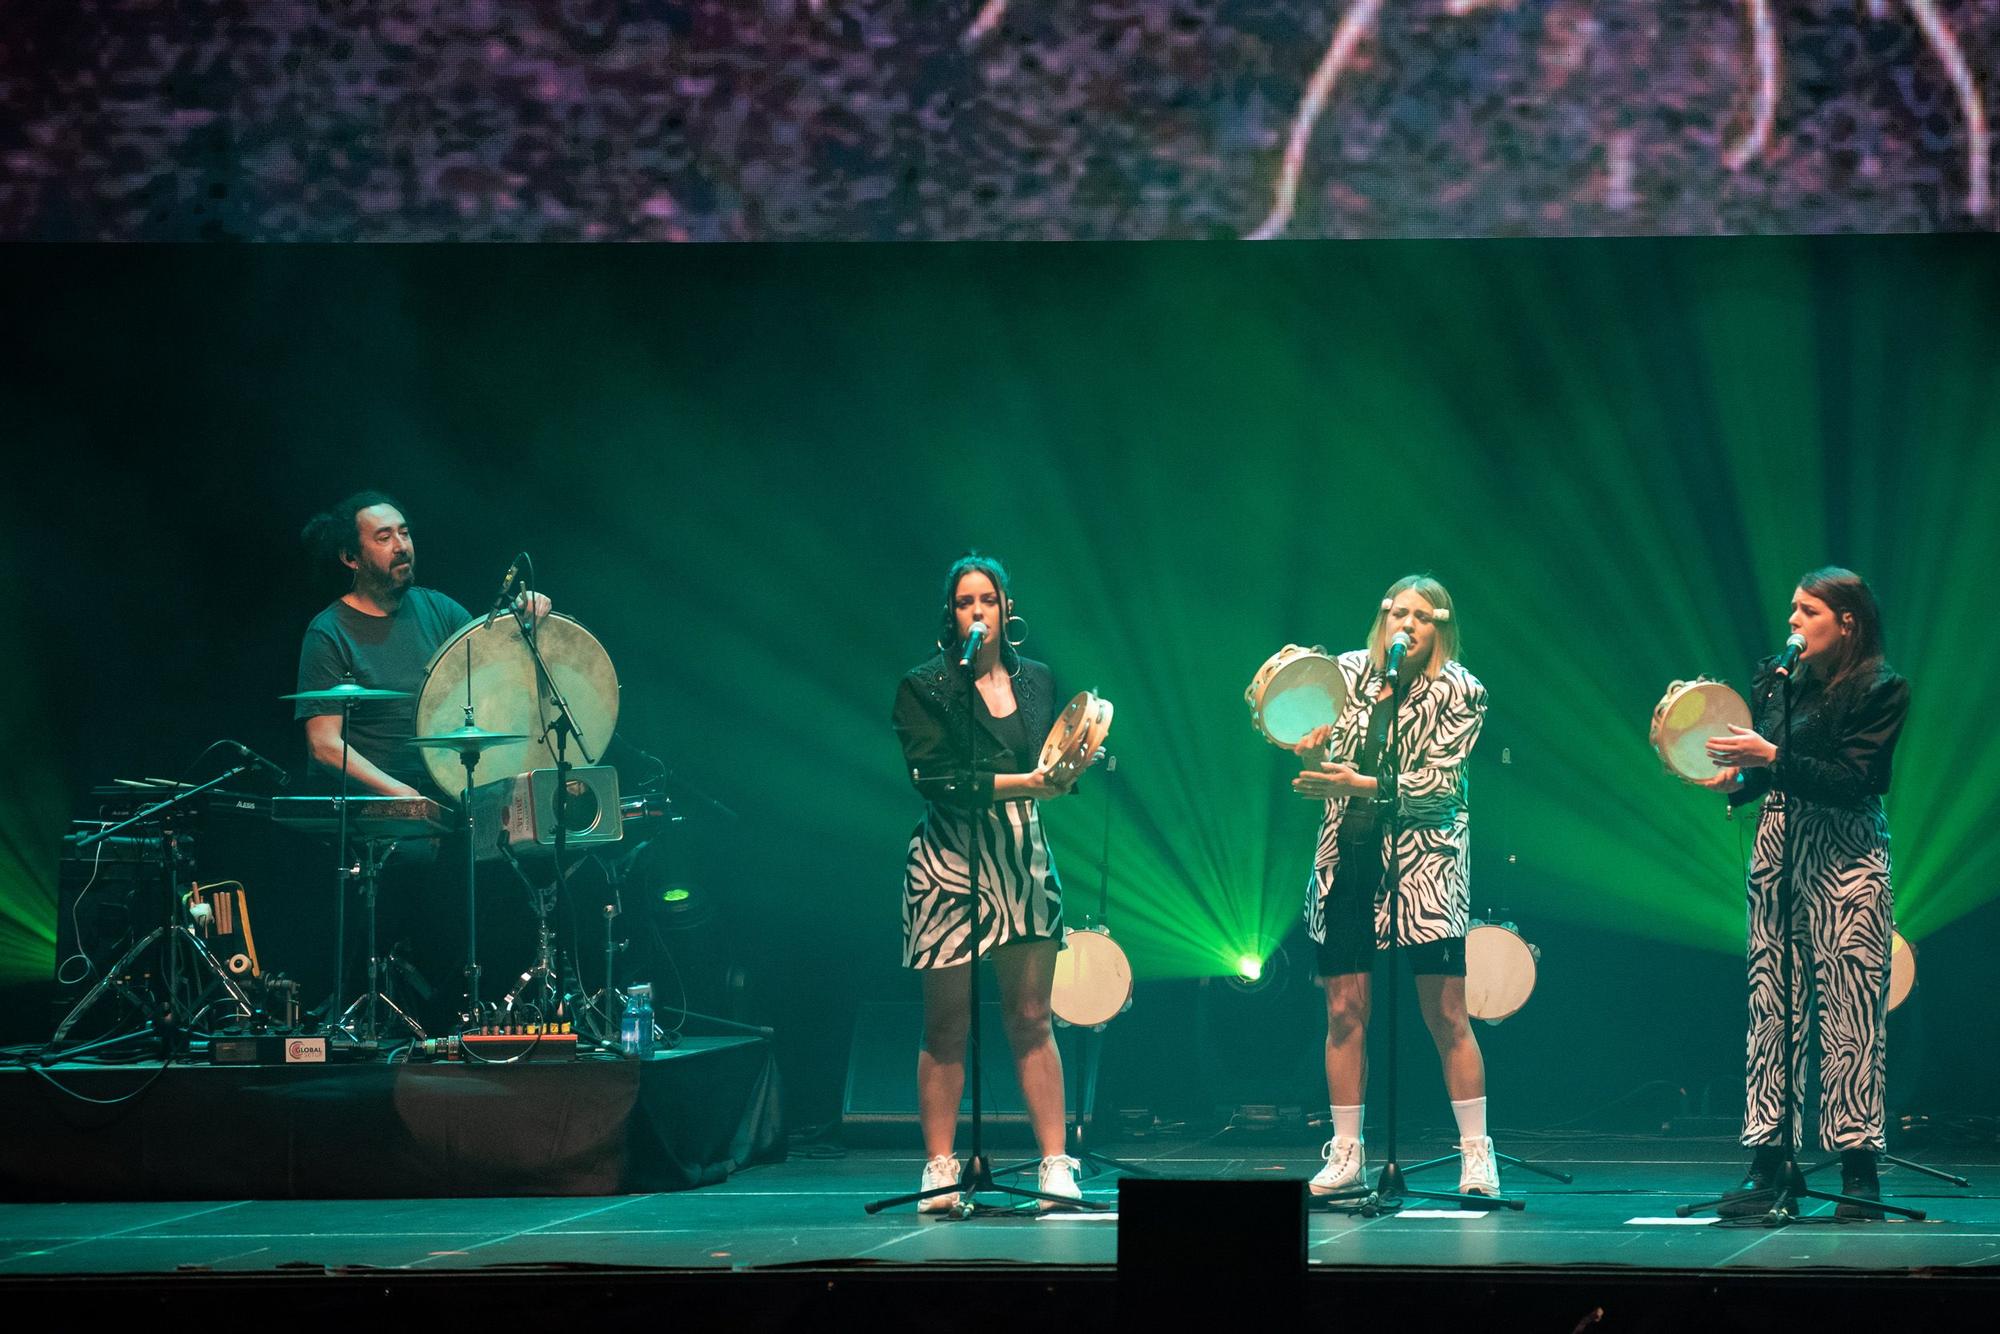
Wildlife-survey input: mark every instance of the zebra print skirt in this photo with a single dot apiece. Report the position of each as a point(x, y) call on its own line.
point(1020, 897)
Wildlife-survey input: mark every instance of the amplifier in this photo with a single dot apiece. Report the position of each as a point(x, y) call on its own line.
point(519, 814)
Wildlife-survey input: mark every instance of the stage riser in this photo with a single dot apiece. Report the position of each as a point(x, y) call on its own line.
point(588, 1127)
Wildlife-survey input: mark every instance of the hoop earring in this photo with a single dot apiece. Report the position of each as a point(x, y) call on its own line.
point(1009, 635)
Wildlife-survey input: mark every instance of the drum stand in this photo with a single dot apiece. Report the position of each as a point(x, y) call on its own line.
point(976, 1172)
point(1389, 1191)
point(375, 854)
point(542, 979)
point(1783, 1196)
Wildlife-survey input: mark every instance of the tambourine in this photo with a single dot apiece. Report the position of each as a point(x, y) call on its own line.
point(1296, 690)
point(1079, 731)
point(1687, 718)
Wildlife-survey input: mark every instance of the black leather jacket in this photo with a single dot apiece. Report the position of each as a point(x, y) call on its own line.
point(1841, 746)
point(930, 720)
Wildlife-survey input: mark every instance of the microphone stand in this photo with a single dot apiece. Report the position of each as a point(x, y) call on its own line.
point(1389, 1191)
point(975, 1173)
point(1783, 1196)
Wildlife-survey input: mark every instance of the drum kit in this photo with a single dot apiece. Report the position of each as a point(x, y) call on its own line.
point(520, 693)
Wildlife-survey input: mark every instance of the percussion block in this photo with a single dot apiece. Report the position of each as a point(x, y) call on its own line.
point(521, 811)
point(1242, 1242)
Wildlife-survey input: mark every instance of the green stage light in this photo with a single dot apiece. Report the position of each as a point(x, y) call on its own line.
point(1249, 967)
point(675, 895)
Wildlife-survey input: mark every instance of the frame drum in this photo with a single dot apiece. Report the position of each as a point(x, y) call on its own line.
point(1902, 970)
point(1686, 718)
point(1499, 970)
point(1296, 690)
point(1093, 982)
point(508, 696)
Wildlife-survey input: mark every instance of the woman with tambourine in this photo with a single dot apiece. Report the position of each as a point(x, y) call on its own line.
point(997, 785)
point(1827, 780)
point(1438, 707)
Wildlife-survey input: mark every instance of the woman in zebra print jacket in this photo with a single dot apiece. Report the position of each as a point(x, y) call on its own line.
point(1827, 780)
point(1438, 710)
point(996, 788)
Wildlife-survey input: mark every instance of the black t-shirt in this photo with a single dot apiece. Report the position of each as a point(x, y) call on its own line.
point(384, 652)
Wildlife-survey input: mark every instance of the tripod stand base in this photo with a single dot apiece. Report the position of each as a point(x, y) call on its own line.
point(1777, 1205)
point(976, 1176)
point(1390, 1193)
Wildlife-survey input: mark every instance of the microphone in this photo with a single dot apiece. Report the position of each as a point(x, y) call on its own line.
point(507, 582)
point(972, 643)
point(271, 767)
point(1399, 648)
point(1790, 656)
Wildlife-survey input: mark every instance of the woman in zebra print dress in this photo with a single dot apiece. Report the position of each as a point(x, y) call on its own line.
point(1827, 782)
point(996, 787)
point(1438, 708)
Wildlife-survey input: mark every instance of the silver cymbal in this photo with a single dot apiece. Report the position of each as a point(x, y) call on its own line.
point(466, 740)
point(347, 692)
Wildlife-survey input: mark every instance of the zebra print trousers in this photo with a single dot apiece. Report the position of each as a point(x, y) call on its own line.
point(1840, 929)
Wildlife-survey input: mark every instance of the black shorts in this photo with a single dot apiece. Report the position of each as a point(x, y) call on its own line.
point(1445, 958)
point(1350, 945)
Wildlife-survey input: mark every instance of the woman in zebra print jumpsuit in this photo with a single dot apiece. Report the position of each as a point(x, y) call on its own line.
point(1439, 707)
point(997, 786)
point(1827, 781)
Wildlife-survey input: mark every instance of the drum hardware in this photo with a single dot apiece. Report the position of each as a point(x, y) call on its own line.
point(1295, 691)
point(1687, 718)
point(541, 980)
point(375, 854)
point(347, 693)
point(520, 814)
point(165, 1013)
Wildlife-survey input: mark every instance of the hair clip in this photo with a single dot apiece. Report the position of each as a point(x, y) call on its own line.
point(1441, 614)
point(1387, 603)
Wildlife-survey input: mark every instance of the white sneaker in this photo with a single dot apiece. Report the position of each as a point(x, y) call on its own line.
point(1058, 1177)
point(1346, 1162)
point(942, 1170)
point(1478, 1170)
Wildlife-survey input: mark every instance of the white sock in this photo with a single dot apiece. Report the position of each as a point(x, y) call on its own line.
point(1347, 1121)
point(1471, 1114)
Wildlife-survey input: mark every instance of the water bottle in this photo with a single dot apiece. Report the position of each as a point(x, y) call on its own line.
point(635, 1026)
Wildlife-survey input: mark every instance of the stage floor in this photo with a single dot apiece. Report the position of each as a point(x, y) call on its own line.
point(807, 1212)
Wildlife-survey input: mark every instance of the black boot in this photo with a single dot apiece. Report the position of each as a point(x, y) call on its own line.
point(1857, 1178)
point(1753, 1195)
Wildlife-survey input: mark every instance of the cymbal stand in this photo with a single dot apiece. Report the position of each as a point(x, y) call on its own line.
point(468, 757)
point(375, 854)
point(541, 980)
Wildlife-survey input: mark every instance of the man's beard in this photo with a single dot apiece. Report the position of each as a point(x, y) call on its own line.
point(384, 585)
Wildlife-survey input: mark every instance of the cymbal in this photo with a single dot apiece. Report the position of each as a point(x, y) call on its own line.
point(347, 692)
point(467, 739)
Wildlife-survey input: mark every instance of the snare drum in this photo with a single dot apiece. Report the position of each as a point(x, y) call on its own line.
point(1499, 970)
point(1078, 732)
point(1687, 718)
point(1296, 690)
point(1093, 979)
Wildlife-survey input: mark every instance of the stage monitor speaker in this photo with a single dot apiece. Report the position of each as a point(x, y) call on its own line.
point(1192, 1245)
point(882, 1068)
